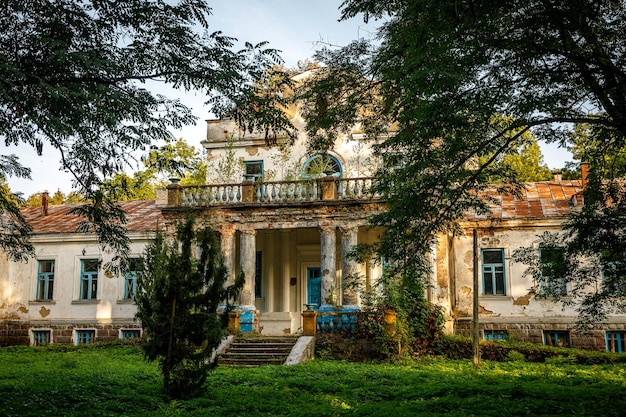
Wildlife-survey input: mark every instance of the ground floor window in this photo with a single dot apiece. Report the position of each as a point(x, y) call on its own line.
point(41, 337)
point(556, 337)
point(495, 335)
point(615, 341)
point(130, 334)
point(84, 337)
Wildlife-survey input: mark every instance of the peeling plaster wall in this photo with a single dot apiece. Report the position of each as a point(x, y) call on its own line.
point(18, 288)
point(353, 151)
point(517, 302)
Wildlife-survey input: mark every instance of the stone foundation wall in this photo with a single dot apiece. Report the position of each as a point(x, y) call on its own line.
point(533, 332)
point(18, 332)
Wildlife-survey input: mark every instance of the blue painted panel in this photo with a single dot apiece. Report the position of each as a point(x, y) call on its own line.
point(314, 286)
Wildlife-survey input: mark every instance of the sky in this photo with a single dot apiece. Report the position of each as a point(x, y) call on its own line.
point(295, 28)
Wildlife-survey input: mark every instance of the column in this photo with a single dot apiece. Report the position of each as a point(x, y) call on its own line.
point(285, 262)
point(350, 280)
point(227, 243)
point(247, 252)
point(269, 274)
point(329, 262)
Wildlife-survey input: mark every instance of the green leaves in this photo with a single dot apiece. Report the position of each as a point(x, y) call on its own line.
point(178, 300)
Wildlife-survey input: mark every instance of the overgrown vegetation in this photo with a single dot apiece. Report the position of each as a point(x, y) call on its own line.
point(104, 381)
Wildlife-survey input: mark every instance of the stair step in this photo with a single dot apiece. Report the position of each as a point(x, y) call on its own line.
point(257, 351)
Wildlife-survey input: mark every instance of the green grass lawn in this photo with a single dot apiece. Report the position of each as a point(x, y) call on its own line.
point(116, 381)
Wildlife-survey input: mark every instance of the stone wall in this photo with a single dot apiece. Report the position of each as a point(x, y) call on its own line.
point(533, 332)
point(18, 332)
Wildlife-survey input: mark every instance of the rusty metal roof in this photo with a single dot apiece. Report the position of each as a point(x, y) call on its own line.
point(538, 200)
point(141, 215)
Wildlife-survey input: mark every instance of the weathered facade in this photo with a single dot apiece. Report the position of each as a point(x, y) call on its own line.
point(288, 220)
point(64, 294)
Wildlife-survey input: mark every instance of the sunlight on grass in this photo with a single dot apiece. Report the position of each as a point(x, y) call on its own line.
point(112, 381)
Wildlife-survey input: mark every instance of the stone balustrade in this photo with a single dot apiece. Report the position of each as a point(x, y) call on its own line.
point(272, 192)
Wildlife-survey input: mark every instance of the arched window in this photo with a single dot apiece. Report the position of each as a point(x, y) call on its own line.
point(321, 166)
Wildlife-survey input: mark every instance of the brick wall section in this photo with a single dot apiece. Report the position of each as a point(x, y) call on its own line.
point(18, 333)
point(533, 332)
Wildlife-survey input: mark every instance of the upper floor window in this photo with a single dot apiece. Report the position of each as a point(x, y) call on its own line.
point(552, 264)
point(253, 171)
point(493, 272)
point(392, 161)
point(134, 270)
point(321, 166)
point(45, 280)
point(88, 279)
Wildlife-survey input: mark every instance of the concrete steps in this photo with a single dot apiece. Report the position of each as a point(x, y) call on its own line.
point(257, 351)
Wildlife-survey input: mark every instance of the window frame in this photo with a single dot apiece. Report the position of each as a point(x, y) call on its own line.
point(307, 163)
point(125, 332)
point(84, 336)
point(555, 335)
point(491, 268)
point(253, 177)
point(130, 277)
point(47, 279)
point(496, 335)
point(36, 337)
point(614, 285)
point(546, 281)
point(88, 281)
point(619, 343)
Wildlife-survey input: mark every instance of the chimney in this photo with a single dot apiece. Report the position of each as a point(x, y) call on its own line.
point(558, 176)
point(584, 172)
point(44, 203)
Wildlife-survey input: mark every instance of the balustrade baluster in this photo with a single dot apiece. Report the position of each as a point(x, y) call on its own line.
point(238, 193)
point(273, 192)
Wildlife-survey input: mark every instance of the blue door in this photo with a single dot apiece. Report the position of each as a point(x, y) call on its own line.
point(314, 286)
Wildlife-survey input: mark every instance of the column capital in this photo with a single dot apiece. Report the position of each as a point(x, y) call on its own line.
point(248, 231)
point(348, 228)
point(327, 228)
point(227, 230)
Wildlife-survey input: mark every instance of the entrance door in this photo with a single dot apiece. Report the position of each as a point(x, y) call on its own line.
point(314, 286)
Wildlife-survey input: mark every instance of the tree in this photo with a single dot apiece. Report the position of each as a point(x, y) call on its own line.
point(74, 74)
point(440, 73)
point(172, 160)
point(178, 298)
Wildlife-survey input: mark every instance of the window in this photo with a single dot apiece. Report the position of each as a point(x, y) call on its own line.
point(134, 270)
point(613, 270)
point(41, 337)
point(258, 275)
point(392, 161)
point(45, 280)
point(84, 337)
point(253, 171)
point(322, 165)
point(495, 335)
point(615, 341)
point(493, 272)
point(556, 337)
point(88, 279)
point(129, 334)
point(552, 264)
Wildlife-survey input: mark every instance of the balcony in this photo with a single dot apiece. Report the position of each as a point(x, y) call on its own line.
point(273, 192)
